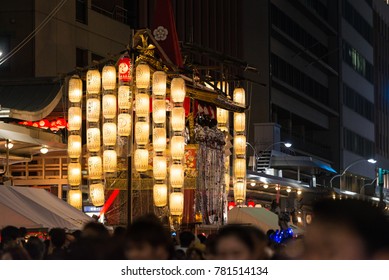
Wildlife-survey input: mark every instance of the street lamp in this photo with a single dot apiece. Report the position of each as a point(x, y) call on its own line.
point(371, 161)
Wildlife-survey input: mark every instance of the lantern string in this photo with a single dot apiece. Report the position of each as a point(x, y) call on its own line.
point(33, 33)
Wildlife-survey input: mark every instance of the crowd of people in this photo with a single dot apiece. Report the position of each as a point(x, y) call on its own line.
point(341, 229)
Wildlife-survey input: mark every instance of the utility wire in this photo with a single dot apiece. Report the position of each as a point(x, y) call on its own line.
point(33, 33)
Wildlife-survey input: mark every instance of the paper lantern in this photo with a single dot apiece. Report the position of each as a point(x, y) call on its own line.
point(45, 124)
point(239, 122)
point(75, 118)
point(93, 139)
point(74, 146)
point(176, 203)
point(142, 76)
point(159, 111)
point(142, 104)
point(93, 81)
point(159, 83)
point(240, 144)
point(159, 168)
point(221, 116)
point(240, 96)
point(176, 176)
point(159, 139)
point(177, 147)
point(141, 160)
point(239, 191)
point(74, 174)
point(177, 90)
point(240, 168)
point(95, 167)
point(96, 194)
point(109, 106)
point(61, 123)
point(124, 124)
point(75, 198)
point(125, 69)
point(124, 97)
point(178, 119)
point(93, 110)
point(142, 133)
point(109, 161)
point(109, 134)
point(53, 126)
point(75, 89)
point(224, 87)
point(109, 77)
point(160, 195)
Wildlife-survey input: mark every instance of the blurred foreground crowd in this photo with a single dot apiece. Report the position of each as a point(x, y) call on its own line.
point(341, 229)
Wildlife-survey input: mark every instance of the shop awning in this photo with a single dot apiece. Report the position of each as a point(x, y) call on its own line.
point(299, 162)
point(29, 100)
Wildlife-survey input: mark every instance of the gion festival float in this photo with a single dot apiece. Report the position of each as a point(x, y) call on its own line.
point(158, 139)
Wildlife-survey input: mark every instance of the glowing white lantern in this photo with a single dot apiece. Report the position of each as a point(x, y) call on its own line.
point(178, 119)
point(177, 147)
point(109, 161)
point(177, 90)
point(93, 81)
point(159, 111)
point(75, 198)
point(75, 89)
point(109, 106)
point(160, 195)
point(124, 124)
point(221, 116)
point(74, 146)
point(141, 160)
point(240, 144)
point(176, 203)
point(239, 122)
point(96, 194)
point(159, 139)
point(239, 191)
point(74, 174)
point(240, 96)
point(142, 76)
point(93, 110)
point(159, 83)
point(142, 131)
point(75, 118)
point(95, 167)
point(159, 168)
point(124, 97)
point(93, 139)
point(240, 168)
point(142, 104)
point(109, 77)
point(176, 176)
point(109, 134)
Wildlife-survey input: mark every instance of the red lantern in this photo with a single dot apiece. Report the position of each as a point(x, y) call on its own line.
point(53, 126)
point(231, 205)
point(251, 204)
point(124, 69)
point(45, 124)
point(61, 123)
point(35, 124)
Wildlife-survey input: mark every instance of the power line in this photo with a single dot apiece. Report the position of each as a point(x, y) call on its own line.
point(33, 33)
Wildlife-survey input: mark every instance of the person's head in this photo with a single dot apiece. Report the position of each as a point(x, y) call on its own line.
point(186, 238)
point(9, 234)
point(196, 251)
point(202, 238)
point(260, 242)
point(22, 232)
point(35, 248)
point(119, 232)
point(57, 237)
point(95, 230)
point(235, 242)
point(15, 253)
point(147, 239)
point(210, 247)
point(346, 229)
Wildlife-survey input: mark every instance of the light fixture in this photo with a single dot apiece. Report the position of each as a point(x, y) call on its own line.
point(160, 195)
point(142, 132)
point(124, 124)
point(75, 118)
point(9, 145)
point(159, 167)
point(142, 76)
point(93, 81)
point(75, 198)
point(74, 174)
point(221, 116)
point(141, 160)
point(177, 90)
point(265, 186)
point(159, 111)
point(240, 144)
point(109, 134)
point(74, 146)
point(96, 194)
point(44, 150)
point(142, 104)
point(299, 192)
point(178, 118)
point(93, 110)
point(258, 205)
point(177, 176)
point(159, 83)
point(372, 160)
point(124, 97)
point(253, 184)
point(75, 89)
point(288, 144)
point(240, 168)
point(176, 203)
point(239, 96)
point(93, 139)
point(277, 188)
point(109, 106)
point(177, 145)
point(239, 191)
point(95, 167)
point(288, 189)
point(109, 161)
point(239, 122)
point(109, 77)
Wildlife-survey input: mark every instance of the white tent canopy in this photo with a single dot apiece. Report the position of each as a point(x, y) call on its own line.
point(259, 217)
point(37, 208)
